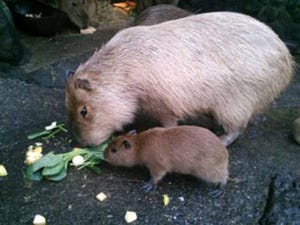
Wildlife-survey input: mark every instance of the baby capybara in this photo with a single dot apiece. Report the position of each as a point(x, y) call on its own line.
point(183, 149)
point(224, 64)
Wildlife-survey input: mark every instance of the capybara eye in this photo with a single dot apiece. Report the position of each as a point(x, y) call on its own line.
point(113, 150)
point(126, 144)
point(84, 111)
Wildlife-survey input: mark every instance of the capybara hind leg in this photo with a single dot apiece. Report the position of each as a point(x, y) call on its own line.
point(230, 137)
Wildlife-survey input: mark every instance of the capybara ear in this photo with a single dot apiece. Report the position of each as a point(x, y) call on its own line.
point(69, 73)
point(83, 84)
point(126, 144)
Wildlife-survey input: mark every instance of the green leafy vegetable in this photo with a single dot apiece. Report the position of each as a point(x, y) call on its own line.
point(54, 170)
point(48, 160)
point(54, 166)
point(48, 132)
point(58, 177)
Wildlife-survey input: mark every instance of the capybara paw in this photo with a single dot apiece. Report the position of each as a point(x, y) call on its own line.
point(216, 192)
point(229, 138)
point(148, 186)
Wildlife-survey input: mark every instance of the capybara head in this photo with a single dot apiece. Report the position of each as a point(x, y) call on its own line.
point(122, 151)
point(96, 106)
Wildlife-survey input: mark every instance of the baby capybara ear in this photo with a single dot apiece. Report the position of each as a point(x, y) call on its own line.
point(132, 132)
point(83, 84)
point(126, 144)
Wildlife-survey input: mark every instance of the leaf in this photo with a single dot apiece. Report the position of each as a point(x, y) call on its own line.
point(58, 177)
point(99, 150)
point(54, 170)
point(61, 127)
point(33, 175)
point(95, 169)
point(37, 134)
point(46, 134)
point(52, 133)
point(48, 160)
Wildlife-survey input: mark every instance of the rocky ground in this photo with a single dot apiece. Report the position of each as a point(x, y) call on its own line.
point(264, 163)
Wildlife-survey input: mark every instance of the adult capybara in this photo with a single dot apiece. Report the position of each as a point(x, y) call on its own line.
point(160, 13)
point(225, 64)
point(184, 149)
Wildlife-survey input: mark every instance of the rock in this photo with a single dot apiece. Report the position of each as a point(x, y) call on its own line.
point(10, 48)
point(296, 130)
point(96, 13)
point(283, 202)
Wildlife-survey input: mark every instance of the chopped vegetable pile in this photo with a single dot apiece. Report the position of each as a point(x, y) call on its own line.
point(54, 166)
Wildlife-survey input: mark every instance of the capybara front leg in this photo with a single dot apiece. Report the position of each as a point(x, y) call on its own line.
point(230, 137)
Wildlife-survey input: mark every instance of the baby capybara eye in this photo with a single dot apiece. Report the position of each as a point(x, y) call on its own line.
point(113, 150)
point(84, 111)
point(126, 144)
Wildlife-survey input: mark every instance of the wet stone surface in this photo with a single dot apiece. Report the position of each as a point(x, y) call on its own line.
point(283, 202)
point(264, 161)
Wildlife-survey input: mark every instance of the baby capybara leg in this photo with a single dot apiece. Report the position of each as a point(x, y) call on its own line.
point(156, 176)
point(217, 191)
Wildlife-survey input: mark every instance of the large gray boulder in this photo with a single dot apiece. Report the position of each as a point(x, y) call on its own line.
point(10, 48)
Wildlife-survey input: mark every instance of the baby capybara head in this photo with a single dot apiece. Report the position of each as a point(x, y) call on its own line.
point(122, 151)
point(95, 107)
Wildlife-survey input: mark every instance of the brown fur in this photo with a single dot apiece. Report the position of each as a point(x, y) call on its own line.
point(224, 64)
point(184, 149)
point(160, 13)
